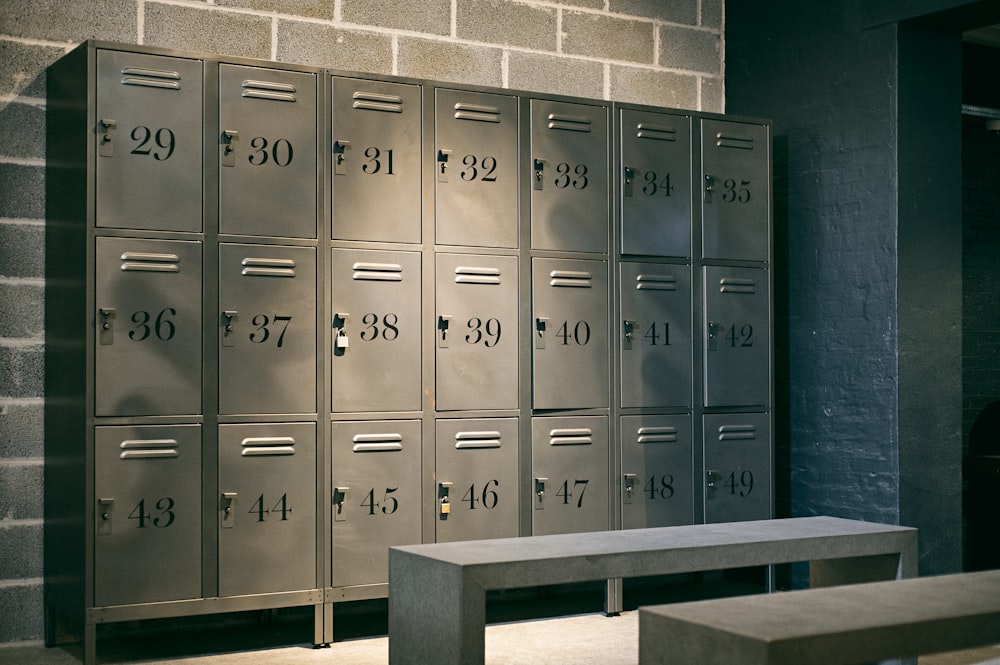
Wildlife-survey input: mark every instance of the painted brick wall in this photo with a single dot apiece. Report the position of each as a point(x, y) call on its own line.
point(644, 51)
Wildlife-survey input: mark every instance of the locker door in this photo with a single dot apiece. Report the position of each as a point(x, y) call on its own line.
point(147, 491)
point(655, 347)
point(569, 462)
point(569, 161)
point(476, 180)
point(376, 160)
point(737, 333)
point(737, 467)
point(376, 354)
point(476, 332)
point(477, 489)
point(736, 190)
point(267, 329)
point(267, 152)
point(657, 471)
point(148, 351)
point(149, 142)
point(376, 497)
point(570, 351)
point(655, 183)
point(267, 508)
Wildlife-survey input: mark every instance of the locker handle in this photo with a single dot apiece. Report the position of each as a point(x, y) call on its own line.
point(709, 187)
point(629, 176)
point(228, 499)
point(711, 478)
point(229, 139)
point(228, 317)
point(629, 487)
point(540, 324)
point(340, 148)
point(106, 148)
point(107, 332)
point(444, 501)
point(540, 492)
point(442, 158)
point(628, 329)
point(713, 335)
point(106, 509)
point(340, 339)
point(539, 173)
point(339, 496)
point(444, 321)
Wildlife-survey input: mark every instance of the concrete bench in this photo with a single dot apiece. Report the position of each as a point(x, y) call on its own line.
point(437, 591)
point(842, 625)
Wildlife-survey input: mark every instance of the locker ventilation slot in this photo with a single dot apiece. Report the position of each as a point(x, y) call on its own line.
point(379, 272)
point(656, 283)
point(268, 267)
point(571, 437)
point(373, 101)
point(733, 285)
point(267, 445)
point(465, 440)
point(151, 78)
point(468, 275)
point(570, 278)
point(570, 123)
point(377, 443)
point(149, 448)
point(146, 262)
point(279, 92)
point(477, 112)
point(656, 435)
point(655, 132)
point(739, 142)
point(737, 433)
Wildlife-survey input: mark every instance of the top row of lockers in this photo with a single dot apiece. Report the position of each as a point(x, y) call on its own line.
point(279, 148)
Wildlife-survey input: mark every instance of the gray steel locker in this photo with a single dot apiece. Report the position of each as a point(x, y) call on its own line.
point(655, 183)
point(737, 467)
point(267, 508)
point(476, 162)
point(569, 178)
point(376, 336)
point(477, 488)
point(477, 349)
point(267, 152)
point(657, 483)
point(148, 323)
point(376, 160)
point(267, 329)
point(376, 497)
point(570, 331)
point(569, 474)
point(655, 349)
point(149, 142)
point(736, 190)
point(147, 493)
point(737, 337)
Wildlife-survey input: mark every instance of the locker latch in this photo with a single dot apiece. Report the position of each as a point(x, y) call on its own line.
point(443, 165)
point(444, 500)
point(540, 323)
point(443, 323)
point(229, 139)
point(628, 332)
point(107, 147)
point(105, 513)
point(340, 339)
point(107, 325)
point(228, 337)
point(628, 487)
point(627, 181)
point(339, 496)
point(228, 516)
point(713, 335)
point(539, 173)
point(340, 147)
point(711, 478)
point(709, 187)
point(540, 493)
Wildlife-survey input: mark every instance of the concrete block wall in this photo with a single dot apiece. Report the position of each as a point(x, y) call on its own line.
point(642, 51)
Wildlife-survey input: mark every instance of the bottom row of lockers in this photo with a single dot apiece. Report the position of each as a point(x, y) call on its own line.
point(148, 489)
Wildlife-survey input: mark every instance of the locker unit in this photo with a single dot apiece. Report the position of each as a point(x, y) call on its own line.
point(657, 471)
point(737, 467)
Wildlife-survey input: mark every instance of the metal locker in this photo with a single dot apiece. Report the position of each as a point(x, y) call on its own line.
point(148, 327)
point(477, 350)
point(655, 349)
point(735, 167)
point(149, 142)
point(267, 152)
point(477, 488)
point(737, 467)
point(657, 484)
point(267, 329)
point(376, 336)
point(267, 508)
point(376, 497)
point(147, 530)
point(376, 160)
point(737, 337)
point(569, 469)
point(655, 183)
point(569, 178)
point(476, 162)
point(570, 331)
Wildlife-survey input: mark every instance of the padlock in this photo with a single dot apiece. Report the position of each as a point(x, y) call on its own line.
point(445, 506)
point(343, 341)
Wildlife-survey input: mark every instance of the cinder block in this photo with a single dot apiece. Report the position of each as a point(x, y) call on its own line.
point(22, 610)
point(24, 192)
point(713, 94)
point(21, 491)
point(22, 430)
point(22, 246)
point(608, 38)
point(211, 30)
point(656, 88)
point(555, 75)
point(58, 20)
point(22, 131)
point(507, 23)
point(685, 11)
point(327, 46)
point(20, 551)
point(711, 14)
point(22, 68)
point(458, 63)
point(22, 311)
point(694, 50)
point(311, 8)
point(22, 372)
point(587, 4)
point(430, 16)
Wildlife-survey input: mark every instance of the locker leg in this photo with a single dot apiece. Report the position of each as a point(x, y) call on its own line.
point(89, 643)
point(613, 597)
point(322, 625)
